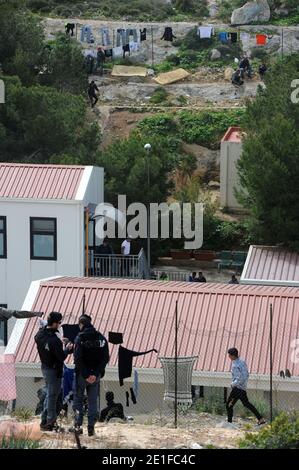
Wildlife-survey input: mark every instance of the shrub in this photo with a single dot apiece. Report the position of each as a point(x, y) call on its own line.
point(207, 128)
point(23, 414)
point(159, 96)
point(283, 434)
point(18, 443)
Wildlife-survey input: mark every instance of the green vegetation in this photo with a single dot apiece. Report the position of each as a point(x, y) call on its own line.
point(204, 128)
point(283, 434)
point(268, 167)
point(18, 443)
point(137, 10)
point(226, 7)
point(23, 414)
point(195, 52)
point(159, 96)
point(45, 117)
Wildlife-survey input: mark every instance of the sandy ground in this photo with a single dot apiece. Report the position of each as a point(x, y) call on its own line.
point(200, 430)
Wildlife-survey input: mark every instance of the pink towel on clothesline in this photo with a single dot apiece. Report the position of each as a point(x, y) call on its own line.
point(8, 389)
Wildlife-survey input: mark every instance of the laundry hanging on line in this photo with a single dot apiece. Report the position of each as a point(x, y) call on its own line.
point(205, 32)
point(117, 53)
point(234, 38)
point(245, 38)
point(105, 36)
point(125, 362)
point(136, 383)
point(223, 37)
point(168, 34)
point(143, 34)
point(261, 39)
point(86, 34)
point(134, 46)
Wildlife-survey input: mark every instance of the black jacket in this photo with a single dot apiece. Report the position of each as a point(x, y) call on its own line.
point(100, 356)
point(50, 349)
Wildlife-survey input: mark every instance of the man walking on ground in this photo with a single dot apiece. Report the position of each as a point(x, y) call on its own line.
point(239, 386)
point(92, 89)
point(91, 355)
point(52, 356)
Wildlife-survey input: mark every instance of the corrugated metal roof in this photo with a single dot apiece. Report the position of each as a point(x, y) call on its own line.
point(234, 134)
point(39, 181)
point(271, 265)
point(212, 318)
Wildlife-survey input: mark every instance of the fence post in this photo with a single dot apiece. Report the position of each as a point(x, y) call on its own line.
point(176, 368)
point(271, 363)
point(152, 30)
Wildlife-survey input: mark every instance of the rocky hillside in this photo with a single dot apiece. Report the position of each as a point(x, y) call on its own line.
point(237, 11)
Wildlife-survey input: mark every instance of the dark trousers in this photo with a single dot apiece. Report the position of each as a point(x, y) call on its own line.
point(53, 388)
point(92, 391)
point(238, 394)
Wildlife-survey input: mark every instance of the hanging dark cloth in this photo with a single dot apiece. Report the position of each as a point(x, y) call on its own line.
point(7, 314)
point(143, 34)
point(125, 362)
point(168, 34)
point(234, 38)
point(71, 332)
point(108, 52)
point(115, 338)
point(126, 48)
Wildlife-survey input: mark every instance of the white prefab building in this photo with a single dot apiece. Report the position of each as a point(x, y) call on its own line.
point(42, 225)
point(231, 150)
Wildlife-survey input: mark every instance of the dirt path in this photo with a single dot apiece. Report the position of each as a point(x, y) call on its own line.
point(130, 93)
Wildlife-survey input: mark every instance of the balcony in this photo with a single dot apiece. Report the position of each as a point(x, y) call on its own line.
point(118, 266)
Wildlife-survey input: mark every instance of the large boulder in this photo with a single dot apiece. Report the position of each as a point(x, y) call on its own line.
point(215, 54)
point(252, 12)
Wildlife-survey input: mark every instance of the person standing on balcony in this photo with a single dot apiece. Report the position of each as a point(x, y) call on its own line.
point(239, 386)
point(104, 251)
point(126, 251)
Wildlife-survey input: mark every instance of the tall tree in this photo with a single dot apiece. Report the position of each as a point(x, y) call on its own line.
point(21, 41)
point(64, 66)
point(268, 168)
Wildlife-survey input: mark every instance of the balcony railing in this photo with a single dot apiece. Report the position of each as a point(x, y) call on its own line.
point(118, 266)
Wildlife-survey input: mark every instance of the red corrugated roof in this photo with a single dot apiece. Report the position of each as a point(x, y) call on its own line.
point(212, 318)
point(271, 265)
point(234, 134)
point(39, 181)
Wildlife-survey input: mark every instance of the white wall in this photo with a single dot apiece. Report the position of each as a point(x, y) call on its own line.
point(229, 180)
point(17, 271)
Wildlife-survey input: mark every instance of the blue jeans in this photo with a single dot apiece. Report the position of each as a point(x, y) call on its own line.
point(53, 386)
point(92, 391)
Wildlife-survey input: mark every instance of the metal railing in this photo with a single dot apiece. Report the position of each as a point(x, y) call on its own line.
point(118, 266)
point(180, 276)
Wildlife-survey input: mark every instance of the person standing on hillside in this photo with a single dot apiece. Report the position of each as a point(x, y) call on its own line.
point(239, 386)
point(92, 93)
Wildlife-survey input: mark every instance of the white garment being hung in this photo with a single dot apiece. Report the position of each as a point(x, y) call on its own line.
point(117, 52)
point(205, 32)
point(126, 247)
point(134, 46)
point(245, 38)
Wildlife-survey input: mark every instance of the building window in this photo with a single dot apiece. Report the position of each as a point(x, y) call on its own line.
point(3, 329)
point(43, 238)
point(3, 252)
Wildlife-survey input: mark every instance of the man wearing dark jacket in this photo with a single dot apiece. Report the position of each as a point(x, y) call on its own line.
point(91, 355)
point(52, 356)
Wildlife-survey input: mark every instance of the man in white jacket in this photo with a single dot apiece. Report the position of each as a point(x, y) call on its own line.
point(239, 386)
